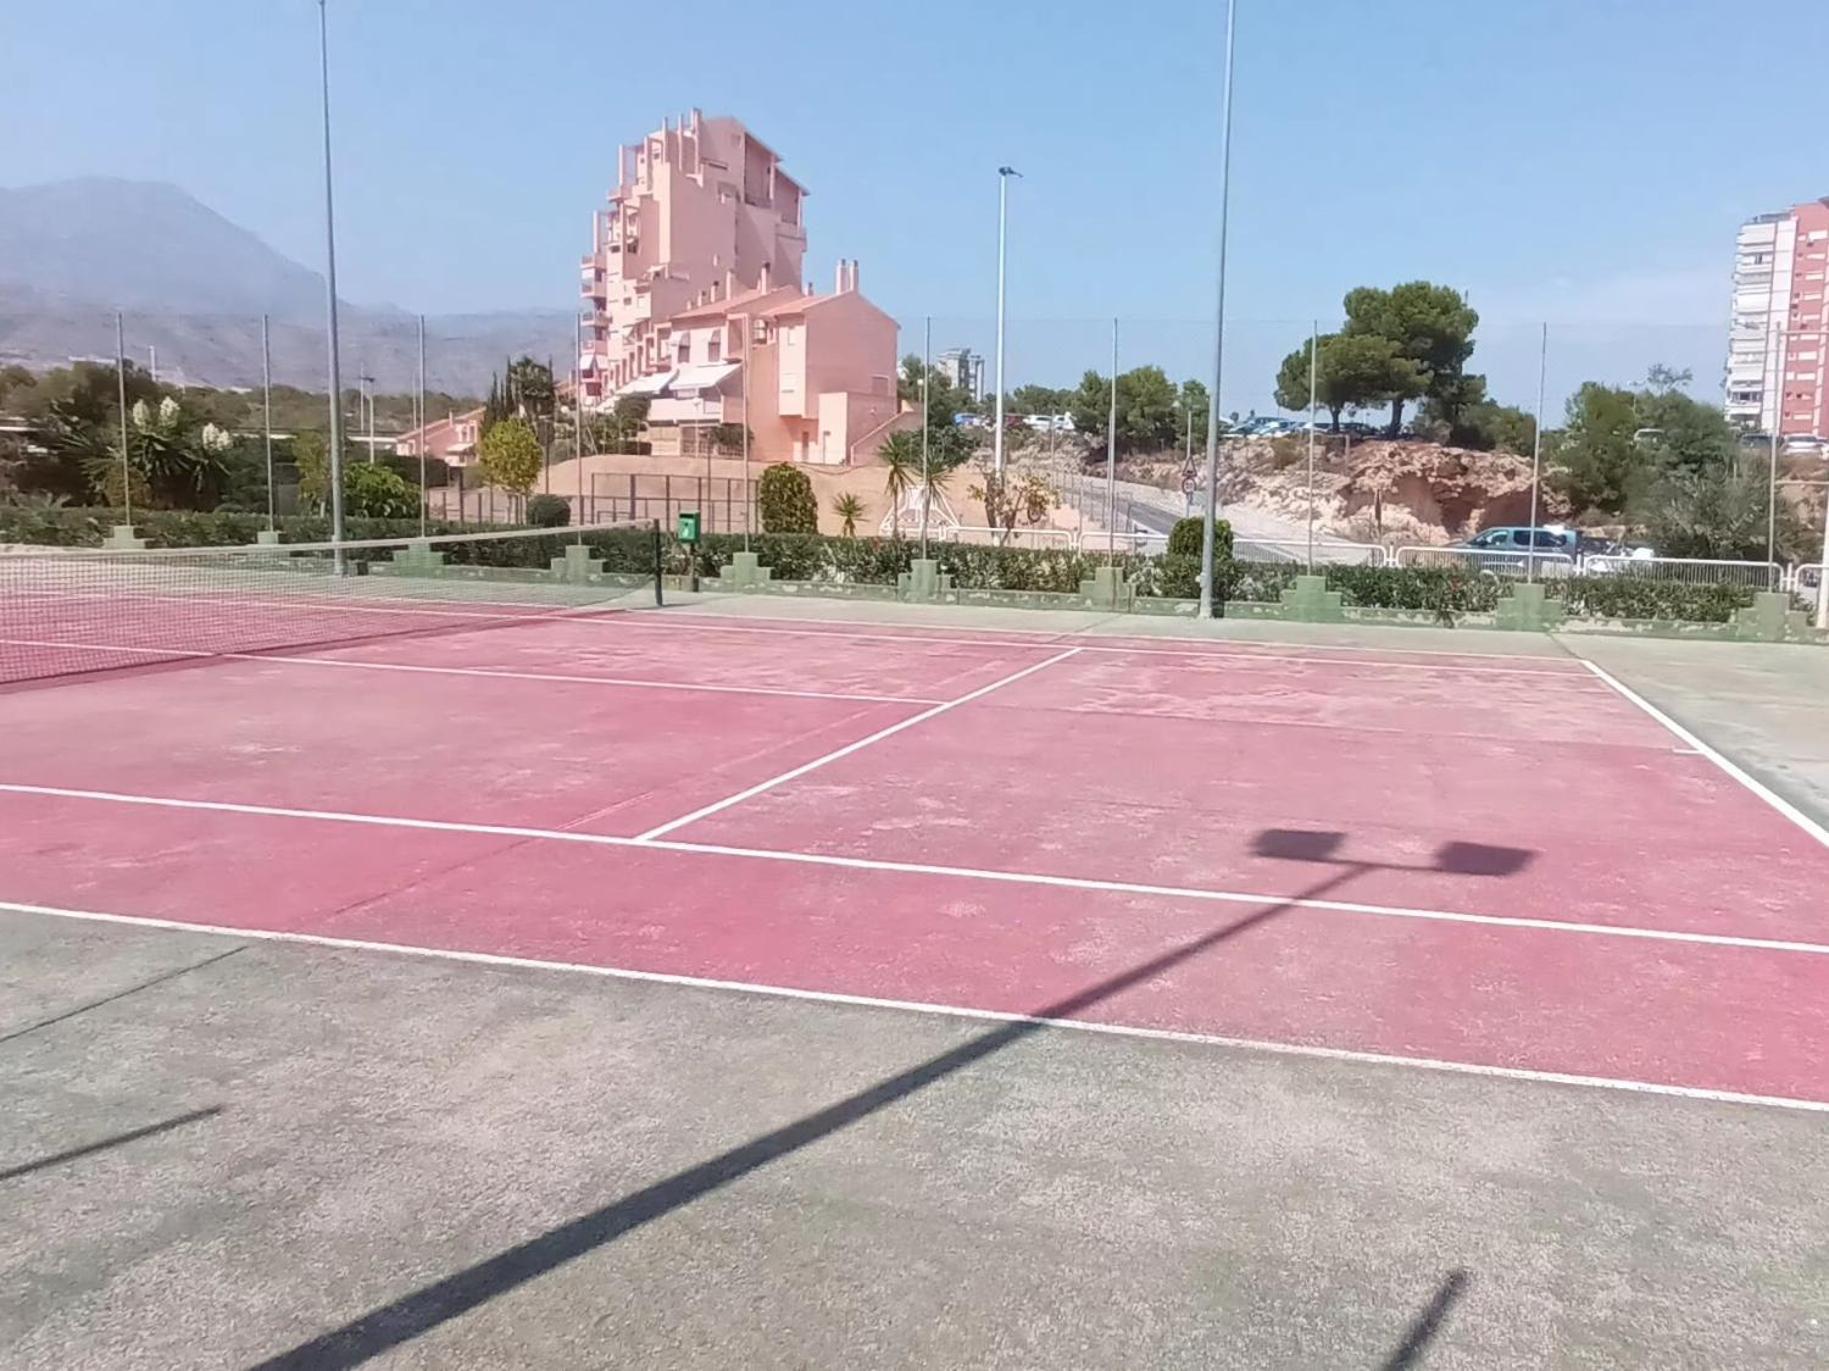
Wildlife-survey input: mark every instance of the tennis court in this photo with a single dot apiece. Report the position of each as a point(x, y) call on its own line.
point(1493, 863)
point(1442, 864)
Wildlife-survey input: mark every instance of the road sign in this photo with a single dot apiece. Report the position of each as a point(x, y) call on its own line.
point(688, 531)
point(1187, 484)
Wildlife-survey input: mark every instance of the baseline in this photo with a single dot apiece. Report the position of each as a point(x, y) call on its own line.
point(1296, 1050)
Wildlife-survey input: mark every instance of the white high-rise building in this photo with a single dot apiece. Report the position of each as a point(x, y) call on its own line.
point(1777, 343)
point(963, 369)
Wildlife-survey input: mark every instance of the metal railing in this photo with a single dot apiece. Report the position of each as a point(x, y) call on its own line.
point(1016, 537)
point(1492, 562)
point(1699, 571)
point(1138, 540)
point(1332, 551)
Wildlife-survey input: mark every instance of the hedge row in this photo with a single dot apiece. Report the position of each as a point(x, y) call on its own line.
point(1637, 597)
point(879, 561)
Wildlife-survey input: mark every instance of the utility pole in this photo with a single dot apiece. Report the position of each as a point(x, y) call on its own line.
point(1003, 237)
point(1314, 366)
point(1543, 366)
point(330, 298)
point(266, 390)
point(120, 376)
point(1111, 457)
point(1207, 597)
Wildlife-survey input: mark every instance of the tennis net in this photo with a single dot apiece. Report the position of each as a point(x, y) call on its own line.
point(70, 611)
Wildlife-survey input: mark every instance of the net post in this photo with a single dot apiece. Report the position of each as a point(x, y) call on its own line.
point(659, 569)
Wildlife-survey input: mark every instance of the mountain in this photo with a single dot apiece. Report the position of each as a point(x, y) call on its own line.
point(193, 286)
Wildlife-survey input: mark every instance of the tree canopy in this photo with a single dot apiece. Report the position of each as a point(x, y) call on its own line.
point(1353, 371)
point(1149, 409)
point(1429, 325)
point(509, 456)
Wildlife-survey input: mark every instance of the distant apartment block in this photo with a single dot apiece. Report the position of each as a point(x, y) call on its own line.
point(1779, 337)
point(964, 370)
point(693, 298)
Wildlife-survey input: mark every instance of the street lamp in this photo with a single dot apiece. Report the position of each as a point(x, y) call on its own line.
point(1219, 327)
point(1003, 220)
point(330, 296)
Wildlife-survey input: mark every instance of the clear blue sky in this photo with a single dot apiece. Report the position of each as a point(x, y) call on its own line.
point(1584, 161)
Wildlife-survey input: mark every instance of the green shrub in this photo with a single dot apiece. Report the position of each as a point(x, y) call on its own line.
point(785, 497)
point(549, 511)
point(1443, 590)
point(372, 491)
point(1626, 596)
point(1188, 535)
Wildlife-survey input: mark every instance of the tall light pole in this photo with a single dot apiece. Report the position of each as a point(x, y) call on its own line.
point(927, 368)
point(1219, 325)
point(365, 408)
point(420, 417)
point(120, 377)
point(266, 417)
point(1543, 370)
point(330, 296)
point(1314, 367)
point(1771, 508)
point(1003, 239)
point(1111, 457)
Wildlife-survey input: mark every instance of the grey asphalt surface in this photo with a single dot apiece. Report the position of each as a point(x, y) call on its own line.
point(349, 1129)
point(224, 1152)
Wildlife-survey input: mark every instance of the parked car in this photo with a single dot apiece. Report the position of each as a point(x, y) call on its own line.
point(1509, 539)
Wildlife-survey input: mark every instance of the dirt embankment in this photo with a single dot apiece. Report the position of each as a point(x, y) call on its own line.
point(1375, 491)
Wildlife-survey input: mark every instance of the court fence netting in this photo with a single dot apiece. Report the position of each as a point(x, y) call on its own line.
point(72, 611)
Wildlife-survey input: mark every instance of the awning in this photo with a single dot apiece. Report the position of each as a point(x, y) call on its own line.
point(647, 385)
point(703, 376)
point(587, 361)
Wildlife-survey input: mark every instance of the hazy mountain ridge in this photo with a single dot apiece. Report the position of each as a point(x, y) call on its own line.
point(193, 285)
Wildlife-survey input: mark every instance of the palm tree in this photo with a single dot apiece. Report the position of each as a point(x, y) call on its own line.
point(901, 454)
point(849, 509)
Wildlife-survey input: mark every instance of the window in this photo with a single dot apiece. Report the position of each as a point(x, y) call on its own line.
point(685, 351)
point(714, 349)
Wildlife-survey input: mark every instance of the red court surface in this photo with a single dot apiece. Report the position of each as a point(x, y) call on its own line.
point(1466, 861)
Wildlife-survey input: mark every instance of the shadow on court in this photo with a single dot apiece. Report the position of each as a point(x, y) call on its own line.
point(1428, 1323)
point(151, 1130)
point(425, 1309)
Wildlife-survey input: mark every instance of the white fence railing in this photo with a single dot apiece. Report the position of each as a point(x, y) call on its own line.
point(1333, 551)
point(1016, 537)
point(1804, 579)
point(1697, 571)
point(1491, 562)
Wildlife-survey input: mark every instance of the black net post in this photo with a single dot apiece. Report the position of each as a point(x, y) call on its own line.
point(660, 569)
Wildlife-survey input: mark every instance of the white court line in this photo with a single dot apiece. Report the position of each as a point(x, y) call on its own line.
point(718, 806)
point(1087, 636)
point(285, 658)
point(1021, 878)
point(948, 1011)
point(1759, 788)
point(638, 619)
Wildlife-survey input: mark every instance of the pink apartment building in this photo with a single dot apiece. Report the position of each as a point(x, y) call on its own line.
point(1778, 347)
point(451, 439)
point(694, 299)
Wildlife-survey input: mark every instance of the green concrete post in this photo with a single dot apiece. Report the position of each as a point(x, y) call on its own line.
point(1528, 608)
point(1309, 601)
